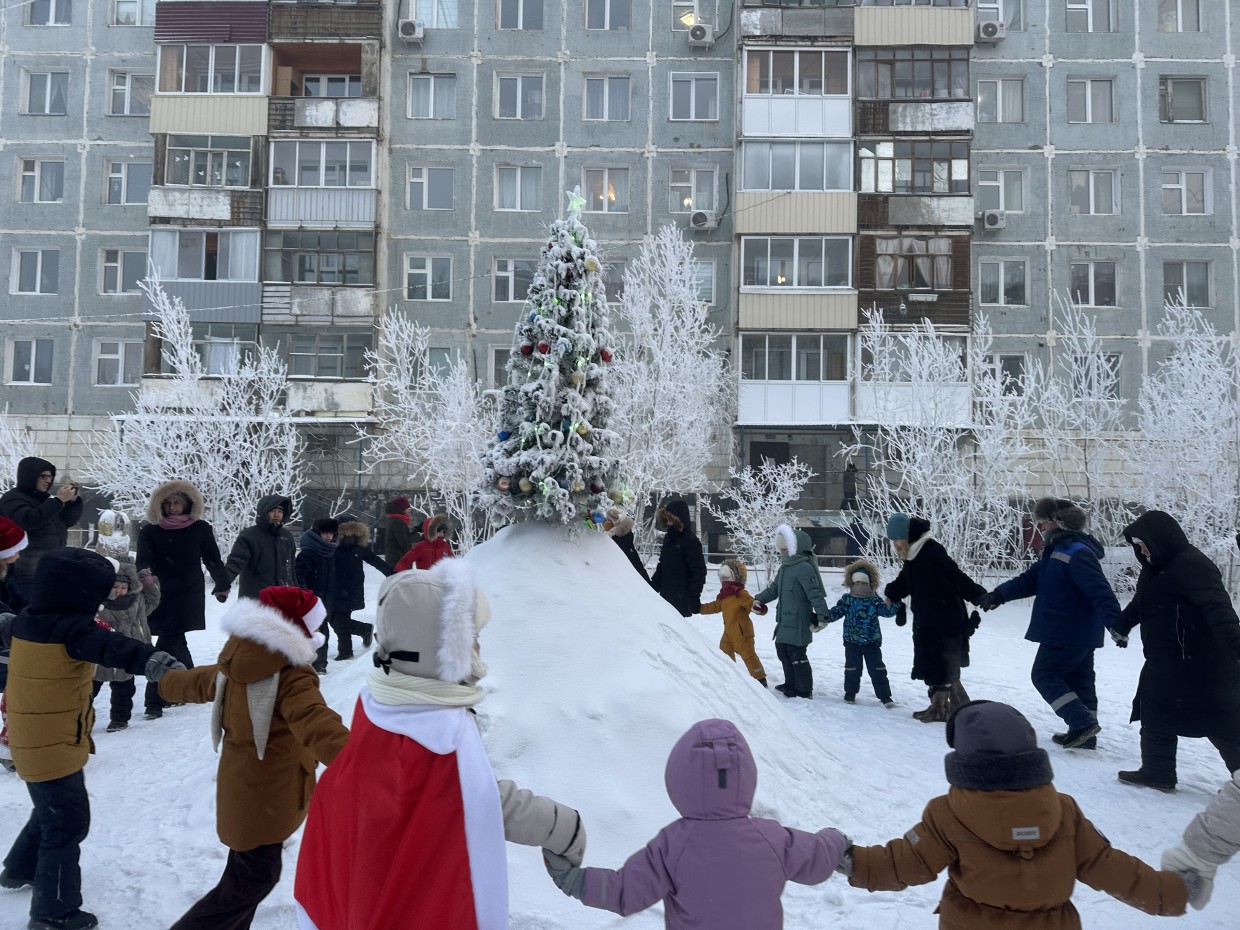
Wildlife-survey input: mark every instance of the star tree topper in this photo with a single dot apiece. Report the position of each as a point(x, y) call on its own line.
point(576, 203)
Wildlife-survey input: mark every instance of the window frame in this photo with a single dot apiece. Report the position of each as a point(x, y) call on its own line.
point(173, 274)
point(907, 273)
point(122, 181)
point(1166, 98)
point(523, 8)
point(521, 206)
point(679, 21)
point(1001, 282)
point(54, 8)
point(1180, 5)
point(1183, 265)
point(437, 79)
point(1093, 294)
point(608, 15)
point(1181, 184)
point(1001, 187)
point(673, 206)
point(36, 345)
point(999, 97)
point(121, 356)
point(796, 90)
point(427, 170)
point(209, 157)
point(15, 282)
point(292, 246)
point(511, 270)
point(117, 266)
point(428, 11)
point(519, 98)
point(126, 80)
point(915, 69)
point(610, 173)
point(165, 70)
point(49, 92)
point(954, 159)
point(36, 179)
point(141, 7)
point(693, 79)
point(1001, 10)
point(704, 268)
point(793, 285)
point(322, 164)
point(325, 78)
point(607, 80)
point(794, 355)
point(430, 258)
point(1089, 8)
point(353, 344)
point(1087, 98)
point(1093, 188)
point(797, 167)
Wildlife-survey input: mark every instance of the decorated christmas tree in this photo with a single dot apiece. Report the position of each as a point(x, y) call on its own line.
point(553, 458)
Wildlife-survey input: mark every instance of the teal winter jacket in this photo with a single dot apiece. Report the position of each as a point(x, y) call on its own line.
point(798, 589)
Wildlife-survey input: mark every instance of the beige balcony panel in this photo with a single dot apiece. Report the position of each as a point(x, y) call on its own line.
point(777, 212)
point(204, 114)
point(166, 392)
point(801, 312)
point(913, 25)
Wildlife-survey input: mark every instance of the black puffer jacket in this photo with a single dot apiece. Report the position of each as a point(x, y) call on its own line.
point(263, 553)
point(348, 591)
point(42, 515)
point(1190, 684)
point(681, 573)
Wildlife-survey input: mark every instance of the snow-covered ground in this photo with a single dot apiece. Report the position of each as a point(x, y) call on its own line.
point(592, 680)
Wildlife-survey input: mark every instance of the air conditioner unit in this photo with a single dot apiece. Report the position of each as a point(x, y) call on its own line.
point(990, 31)
point(412, 31)
point(701, 35)
point(994, 219)
point(703, 219)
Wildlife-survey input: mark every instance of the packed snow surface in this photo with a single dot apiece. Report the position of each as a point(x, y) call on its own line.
point(592, 679)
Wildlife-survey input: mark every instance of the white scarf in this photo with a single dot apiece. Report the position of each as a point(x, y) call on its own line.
point(914, 548)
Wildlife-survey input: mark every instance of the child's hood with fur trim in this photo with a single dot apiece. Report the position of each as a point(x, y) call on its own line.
point(862, 565)
point(280, 638)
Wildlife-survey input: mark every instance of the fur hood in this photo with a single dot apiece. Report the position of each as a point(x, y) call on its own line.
point(675, 516)
point(258, 623)
point(861, 565)
point(356, 530)
point(197, 504)
point(431, 526)
point(787, 535)
point(740, 574)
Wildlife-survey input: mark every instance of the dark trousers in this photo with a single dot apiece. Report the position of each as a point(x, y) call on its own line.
point(48, 848)
point(175, 645)
point(872, 655)
point(1064, 676)
point(346, 628)
point(248, 878)
point(798, 675)
point(122, 698)
point(1158, 753)
point(320, 657)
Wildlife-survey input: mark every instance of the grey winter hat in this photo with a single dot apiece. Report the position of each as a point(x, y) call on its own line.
point(995, 749)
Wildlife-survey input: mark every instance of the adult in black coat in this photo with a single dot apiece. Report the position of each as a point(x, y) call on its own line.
point(619, 526)
point(263, 553)
point(175, 543)
point(681, 573)
point(937, 589)
point(315, 566)
point(348, 592)
point(45, 517)
point(1190, 685)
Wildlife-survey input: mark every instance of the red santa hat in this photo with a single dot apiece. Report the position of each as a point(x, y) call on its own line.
point(297, 605)
point(13, 538)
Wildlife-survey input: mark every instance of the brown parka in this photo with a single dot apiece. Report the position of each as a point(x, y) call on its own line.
point(1012, 858)
point(261, 801)
point(735, 603)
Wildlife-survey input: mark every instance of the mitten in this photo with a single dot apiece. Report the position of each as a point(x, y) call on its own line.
point(159, 663)
point(760, 609)
point(1118, 638)
point(146, 577)
point(567, 877)
point(1198, 874)
point(989, 601)
point(975, 621)
point(902, 614)
point(221, 595)
point(6, 630)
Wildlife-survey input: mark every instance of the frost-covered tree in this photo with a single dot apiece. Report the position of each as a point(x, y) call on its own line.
point(15, 445)
point(759, 501)
point(672, 391)
point(231, 435)
point(433, 421)
point(553, 455)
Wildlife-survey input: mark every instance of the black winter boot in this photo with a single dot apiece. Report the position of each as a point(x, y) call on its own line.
point(74, 920)
point(13, 882)
point(1140, 779)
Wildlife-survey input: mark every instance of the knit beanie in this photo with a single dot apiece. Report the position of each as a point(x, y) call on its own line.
point(13, 538)
point(297, 605)
point(897, 526)
point(1064, 512)
point(995, 749)
point(71, 580)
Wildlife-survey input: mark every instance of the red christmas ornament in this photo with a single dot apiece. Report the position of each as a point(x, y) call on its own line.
point(527, 348)
point(605, 354)
point(544, 347)
point(596, 487)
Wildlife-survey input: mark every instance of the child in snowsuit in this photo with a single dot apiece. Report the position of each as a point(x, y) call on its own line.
point(860, 609)
point(1012, 845)
point(433, 546)
point(734, 602)
point(798, 588)
point(135, 594)
point(1210, 840)
point(716, 866)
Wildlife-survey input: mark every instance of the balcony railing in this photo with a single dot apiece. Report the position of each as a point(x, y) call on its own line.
point(352, 115)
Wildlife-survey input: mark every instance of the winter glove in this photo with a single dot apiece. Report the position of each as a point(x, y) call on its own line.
point(989, 601)
point(567, 877)
point(159, 663)
point(1198, 874)
point(1118, 638)
point(697, 607)
point(760, 609)
point(975, 621)
point(6, 631)
point(818, 624)
point(221, 595)
point(146, 577)
point(845, 865)
point(902, 614)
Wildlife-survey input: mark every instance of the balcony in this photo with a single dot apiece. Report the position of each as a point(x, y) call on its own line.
point(796, 212)
point(218, 206)
point(792, 116)
point(298, 303)
point(295, 22)
point(806, 312)
point(321, 207)
point(909, 404)
point(315, 397)
point(882, 117)
point(793, 403)
point(913, 25)
point(216, 114)
point(354, 115)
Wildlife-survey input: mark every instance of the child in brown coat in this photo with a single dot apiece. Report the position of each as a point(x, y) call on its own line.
point(1012, 845)
point(734, 602)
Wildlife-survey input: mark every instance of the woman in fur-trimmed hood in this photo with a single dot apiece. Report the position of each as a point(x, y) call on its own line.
point(619, 526)
point(353, 554)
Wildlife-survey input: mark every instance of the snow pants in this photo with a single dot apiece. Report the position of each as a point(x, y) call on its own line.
point(872, 655)
point(739, 642)
point(248, 878)
point(346, 628)
point(798, 676)
point(1064, 676)
point(122, 698)
point(48, 849)
point(1158, 753)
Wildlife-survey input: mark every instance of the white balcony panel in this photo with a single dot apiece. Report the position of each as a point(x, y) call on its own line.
point(911, 405)
point(167, 392)
point(338, 207)
point(329, 397)
point(943, 116)
point(793, 403)
point(358, 113)
point(328, 113)
point(191, 203)
point(308, 304)
point(930, 211)
point(793, 116)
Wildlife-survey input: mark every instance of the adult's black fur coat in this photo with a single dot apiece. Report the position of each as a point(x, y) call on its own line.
point(348, 591)
point(681, 572)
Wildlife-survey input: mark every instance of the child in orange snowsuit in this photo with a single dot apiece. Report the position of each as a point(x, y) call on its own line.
point(734, 602)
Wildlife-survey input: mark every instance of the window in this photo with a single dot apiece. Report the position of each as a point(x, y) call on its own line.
point(30, 361)
point(36, 271)
point(210, 69)
point(1008, 12)
point(1179, 15)
point(1003, 282)
point(613, 279)
point(1182, 100)
point(1095, 375)
point(695, 96)
point(432, 96)
point(1186, 192)
point(918, 72)
point(912, 263)
point(428, 277)
point(41, 181)
point(607, 190)
point(797, 166)
point(222, 346)
point(436, 14)
point(133, 12)
point(915, 167)
point(1193, 278)
point(1010, 370)
point(1092, 192)
point(513, 277)
point(1092, 283)
point(794, 357)
point(327, 355)
point(520, 14)
point(430, 188)
point(805, 261)
point(331, 85)
point(322, 164)
point(1001, 100)
point(49, 13)
point(122, 271)
point(684, 14)
point(1090, 16)
point(131, 94)
point(811, 73)
point(607, 97)
point(205, 255)
point(499, 365)
point(118, 362)
point(330, 257)
point(518, 187)
point(128, 182)
point(47, 92)
point(519, 96)
point(208, 161)
point(609, 14)
point(704, 278)
point(1001, 189)
point(1091, 100)
point(692, 189)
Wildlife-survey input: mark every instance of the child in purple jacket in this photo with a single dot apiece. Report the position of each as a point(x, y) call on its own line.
point(716, 866)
